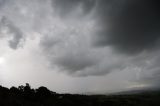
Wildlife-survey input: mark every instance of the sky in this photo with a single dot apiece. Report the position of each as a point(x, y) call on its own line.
point(80, 46)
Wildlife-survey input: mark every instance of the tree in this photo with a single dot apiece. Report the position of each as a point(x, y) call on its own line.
point(27, 88)
point(14, 90)
point(43, 92)
point(21, 88)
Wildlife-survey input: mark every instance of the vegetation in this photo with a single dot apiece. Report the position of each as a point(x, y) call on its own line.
point(26, 96)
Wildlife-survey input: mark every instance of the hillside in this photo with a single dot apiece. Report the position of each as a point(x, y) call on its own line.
point(25, 96)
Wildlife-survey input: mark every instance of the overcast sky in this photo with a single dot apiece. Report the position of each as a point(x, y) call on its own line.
point(80, 46)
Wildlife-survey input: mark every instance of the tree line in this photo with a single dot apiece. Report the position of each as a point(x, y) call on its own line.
point(24, 95)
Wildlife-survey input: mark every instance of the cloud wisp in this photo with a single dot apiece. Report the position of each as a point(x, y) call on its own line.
point(15, 35)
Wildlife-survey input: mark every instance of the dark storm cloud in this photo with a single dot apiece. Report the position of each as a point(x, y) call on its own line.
point(129, 26)
point(14, 34)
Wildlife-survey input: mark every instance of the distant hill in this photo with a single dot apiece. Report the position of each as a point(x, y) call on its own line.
point(26, 96)
point(137, 91)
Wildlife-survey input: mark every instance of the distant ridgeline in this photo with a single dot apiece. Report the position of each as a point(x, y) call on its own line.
point(26, 96)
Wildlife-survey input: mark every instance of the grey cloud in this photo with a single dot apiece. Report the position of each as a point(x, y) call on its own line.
point(146, 68)
point(67, 45)
point(14, 34)
point(69, 53)
point(128, 26)
point(48, 43)
point(152, 75)
point(103, 67)
point(66, 7)
point(80, 59)
point(2, 2)
point(75, 62)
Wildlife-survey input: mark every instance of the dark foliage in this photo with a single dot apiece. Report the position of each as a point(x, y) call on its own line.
point(26, 96)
